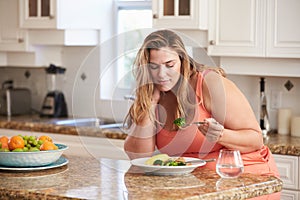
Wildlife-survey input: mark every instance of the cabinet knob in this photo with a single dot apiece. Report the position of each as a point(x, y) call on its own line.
point(155, 16)
point(20, 40)
point(212, 42)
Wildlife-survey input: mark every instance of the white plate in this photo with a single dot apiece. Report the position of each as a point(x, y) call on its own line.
point(59, 163)
point(167, 170)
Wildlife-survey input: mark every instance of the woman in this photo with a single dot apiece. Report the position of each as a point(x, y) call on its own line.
point(170, 85)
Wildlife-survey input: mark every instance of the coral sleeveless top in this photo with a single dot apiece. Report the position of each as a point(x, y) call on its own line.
point(188, 141)
point(191, 142)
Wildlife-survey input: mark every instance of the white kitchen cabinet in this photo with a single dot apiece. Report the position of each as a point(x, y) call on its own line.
point(289, 195)
point(288, 167)
point(61, 22)
point(236, 28)
point(60, 14)
point(12, 37)
point(283, 34)
point(180, 14)
point(254, 28)
point(68, 37)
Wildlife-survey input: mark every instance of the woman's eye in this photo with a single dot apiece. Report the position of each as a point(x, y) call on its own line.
point(155, 66)
point(152, 66)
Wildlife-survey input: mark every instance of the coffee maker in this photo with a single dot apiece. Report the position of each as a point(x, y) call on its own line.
point(54, 104)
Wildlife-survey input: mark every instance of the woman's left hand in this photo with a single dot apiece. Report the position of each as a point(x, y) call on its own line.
point(212, 129)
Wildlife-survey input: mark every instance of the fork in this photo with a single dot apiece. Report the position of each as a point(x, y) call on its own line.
point(196, 123)
point(205, 160)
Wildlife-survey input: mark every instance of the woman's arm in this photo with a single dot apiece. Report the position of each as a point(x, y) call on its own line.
point(230, 108)
point(141, 141)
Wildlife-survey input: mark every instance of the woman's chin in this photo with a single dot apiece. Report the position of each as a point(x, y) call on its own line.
point(164, 88)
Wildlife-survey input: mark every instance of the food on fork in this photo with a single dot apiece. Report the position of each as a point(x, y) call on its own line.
point(180, 122)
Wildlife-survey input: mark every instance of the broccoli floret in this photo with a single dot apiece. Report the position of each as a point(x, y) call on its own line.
point(158, 162)
point(179, 121)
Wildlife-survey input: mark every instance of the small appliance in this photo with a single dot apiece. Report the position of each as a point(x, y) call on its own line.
point(54, 104)
point(14, 101)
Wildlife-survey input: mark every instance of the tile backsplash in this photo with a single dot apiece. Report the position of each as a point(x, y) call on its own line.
point(277, 94)
point(31, 78)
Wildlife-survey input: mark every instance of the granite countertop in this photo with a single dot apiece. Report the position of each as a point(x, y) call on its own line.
point(278, 144)
point(37, 124)
point(117, 179)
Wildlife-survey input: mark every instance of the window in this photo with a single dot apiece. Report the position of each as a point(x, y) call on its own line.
point(132, 19)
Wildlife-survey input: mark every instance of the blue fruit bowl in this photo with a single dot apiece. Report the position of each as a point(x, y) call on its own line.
point(31, 159)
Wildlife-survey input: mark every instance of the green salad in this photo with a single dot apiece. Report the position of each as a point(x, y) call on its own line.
point(165, 160)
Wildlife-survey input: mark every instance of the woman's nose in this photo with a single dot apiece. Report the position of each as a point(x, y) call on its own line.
point(162, 71)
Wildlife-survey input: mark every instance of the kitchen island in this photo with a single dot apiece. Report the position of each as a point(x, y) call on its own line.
point(113, 178)
point(85, 177)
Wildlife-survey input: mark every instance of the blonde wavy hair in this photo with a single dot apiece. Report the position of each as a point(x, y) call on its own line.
point(141, 107)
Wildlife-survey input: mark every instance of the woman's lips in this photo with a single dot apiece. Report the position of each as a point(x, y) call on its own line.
point(163, 82)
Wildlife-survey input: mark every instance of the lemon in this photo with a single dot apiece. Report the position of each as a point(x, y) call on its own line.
point(162, 157)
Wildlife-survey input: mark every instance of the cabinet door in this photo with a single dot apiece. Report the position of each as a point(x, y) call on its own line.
point(236, 28)
point(288, 167)
point(180, 14)
point(38, 13)
point(12, 38)
point(289, 195)
point(283, 29)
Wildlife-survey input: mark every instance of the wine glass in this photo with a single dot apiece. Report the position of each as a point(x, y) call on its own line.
point(229, 163)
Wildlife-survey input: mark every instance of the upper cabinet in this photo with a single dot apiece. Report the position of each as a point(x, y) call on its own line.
point(28, 26)
point(180, 14)
point(254, 28)
point(12, 37)
point(60, 14)
point(283, 28)
point(61, 22)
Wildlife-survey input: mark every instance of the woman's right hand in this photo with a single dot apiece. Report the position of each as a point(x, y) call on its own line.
point(212, 130)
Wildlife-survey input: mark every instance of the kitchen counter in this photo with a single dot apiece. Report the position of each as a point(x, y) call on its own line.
point(37, 124)
point(117, 179)
point(283, 144)
point(278, 144)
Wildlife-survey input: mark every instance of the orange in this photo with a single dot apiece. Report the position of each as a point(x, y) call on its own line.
point(16, 142)
point(4, 142)
point(48, 146)
point(45, 138)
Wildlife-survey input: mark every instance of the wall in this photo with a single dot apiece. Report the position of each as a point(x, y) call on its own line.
point(250, 86)
point(81, 84)
point(36, 82)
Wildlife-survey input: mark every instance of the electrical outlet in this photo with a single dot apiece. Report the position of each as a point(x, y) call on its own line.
point(275, 99)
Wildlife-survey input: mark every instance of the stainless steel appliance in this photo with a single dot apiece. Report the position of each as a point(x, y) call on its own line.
point(14, 101)
point(264, 117)
point(54, 104)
